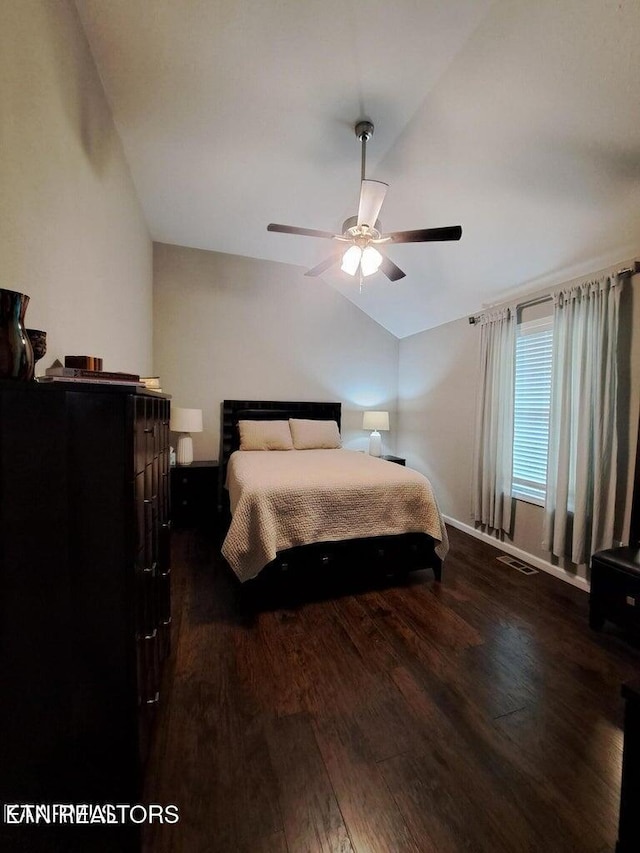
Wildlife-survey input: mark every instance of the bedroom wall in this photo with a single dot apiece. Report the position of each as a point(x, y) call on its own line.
point(436, 402)
point(72, 234)
point(230, 327)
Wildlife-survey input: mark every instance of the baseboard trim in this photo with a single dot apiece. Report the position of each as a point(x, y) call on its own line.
point(508, 548)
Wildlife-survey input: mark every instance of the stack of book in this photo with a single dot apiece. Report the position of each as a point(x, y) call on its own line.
point(151, 383)
point(86, 362)
point(80, 374)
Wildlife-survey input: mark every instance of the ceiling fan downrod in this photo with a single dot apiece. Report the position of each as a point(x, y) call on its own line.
point(364, 132)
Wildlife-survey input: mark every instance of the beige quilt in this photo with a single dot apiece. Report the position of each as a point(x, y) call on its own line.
point(284, 498)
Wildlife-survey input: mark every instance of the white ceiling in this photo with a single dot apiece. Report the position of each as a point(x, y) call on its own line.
point(517, 119)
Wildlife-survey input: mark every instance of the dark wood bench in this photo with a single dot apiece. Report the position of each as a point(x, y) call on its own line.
point(615, 588)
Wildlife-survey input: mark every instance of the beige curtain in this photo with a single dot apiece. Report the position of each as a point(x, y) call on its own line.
point(583, 445)
point(493, 446)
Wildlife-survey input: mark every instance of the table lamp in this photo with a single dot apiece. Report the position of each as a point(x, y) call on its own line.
point(375, 421)
point(185, 421)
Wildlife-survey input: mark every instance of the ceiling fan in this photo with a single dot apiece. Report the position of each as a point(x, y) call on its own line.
point(363, 233)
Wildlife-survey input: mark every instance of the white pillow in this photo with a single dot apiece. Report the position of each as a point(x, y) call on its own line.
point(265, 435)
point(314, 435)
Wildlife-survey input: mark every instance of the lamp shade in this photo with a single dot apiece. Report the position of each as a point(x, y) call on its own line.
point(375, 420)
point(370, 261)
point(351, 260)
point(186, 420)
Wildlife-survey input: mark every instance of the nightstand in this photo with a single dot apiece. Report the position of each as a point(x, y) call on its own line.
point(397, 459)
point(194, 495)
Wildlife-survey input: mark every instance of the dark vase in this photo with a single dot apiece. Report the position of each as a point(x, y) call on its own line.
point(38, 340)
point(16, 353)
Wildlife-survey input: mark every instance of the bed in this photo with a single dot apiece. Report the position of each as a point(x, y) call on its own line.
point(298, 508)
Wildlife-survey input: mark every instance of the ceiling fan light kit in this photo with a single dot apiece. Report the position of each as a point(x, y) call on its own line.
point(364, 233)
point(368, 259)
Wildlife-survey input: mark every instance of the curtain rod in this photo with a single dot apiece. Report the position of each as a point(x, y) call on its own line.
point(634, 269)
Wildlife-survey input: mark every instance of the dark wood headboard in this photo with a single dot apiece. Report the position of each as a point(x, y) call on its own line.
point(276, 410)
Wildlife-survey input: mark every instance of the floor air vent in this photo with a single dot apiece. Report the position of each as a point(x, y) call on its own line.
point(517, 564)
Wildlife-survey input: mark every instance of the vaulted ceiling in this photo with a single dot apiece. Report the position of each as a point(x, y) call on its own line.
point(518, 120)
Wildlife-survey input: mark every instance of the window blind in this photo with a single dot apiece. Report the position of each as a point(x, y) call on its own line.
point(534, 343)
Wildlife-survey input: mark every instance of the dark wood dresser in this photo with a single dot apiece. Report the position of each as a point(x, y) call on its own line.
point(629, 824)
point(615, 596)
point(84, 599)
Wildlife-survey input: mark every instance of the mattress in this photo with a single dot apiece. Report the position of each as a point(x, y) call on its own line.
point(284, 499)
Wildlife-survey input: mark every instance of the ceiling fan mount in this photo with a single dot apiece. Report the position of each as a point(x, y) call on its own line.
point(364, 130)
point(364, 231)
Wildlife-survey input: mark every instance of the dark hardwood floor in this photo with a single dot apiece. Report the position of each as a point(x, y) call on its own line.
point(480, 714)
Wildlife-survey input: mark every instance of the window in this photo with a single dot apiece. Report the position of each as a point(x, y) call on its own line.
point(534, 341)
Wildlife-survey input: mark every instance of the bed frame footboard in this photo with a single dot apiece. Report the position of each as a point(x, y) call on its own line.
point(375, 557)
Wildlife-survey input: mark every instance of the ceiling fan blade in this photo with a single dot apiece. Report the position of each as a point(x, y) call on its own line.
point(424, 235)
point(392, 272)
point(323, 266)
point(372, 195)
point(305, 232)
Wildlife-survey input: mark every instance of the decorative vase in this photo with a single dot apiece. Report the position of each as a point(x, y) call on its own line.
point(16, 354)
point(38, 340)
